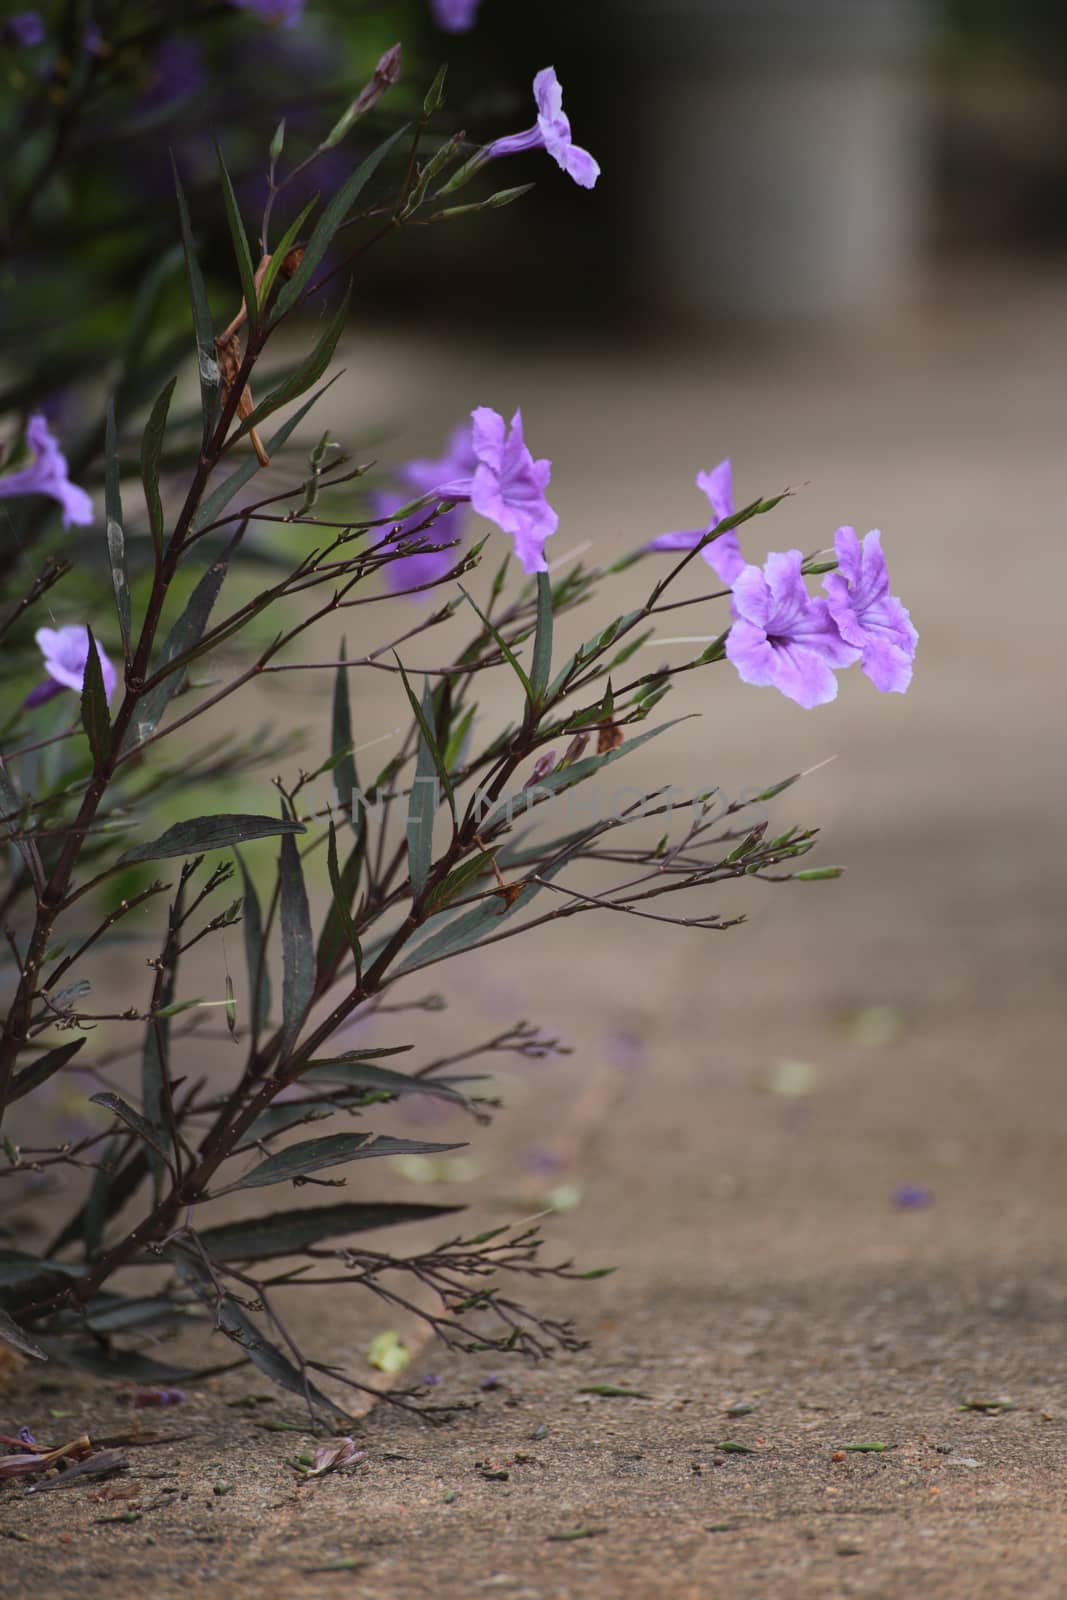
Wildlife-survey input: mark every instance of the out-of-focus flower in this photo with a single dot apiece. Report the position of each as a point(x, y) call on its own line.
point(178, 73)
point(159, 1397)
point(25, 28)
point(868, 617)
point(66, 652)
point(508, 486)
point(455, 16)
point(911, 1197)
point(783, 638)
point(26, 1438)
point(285, 12)
point(551, 132)
point(423, 566)
point(723, 554)
point(491, 1381)
point(424, 473)
point(46, 474)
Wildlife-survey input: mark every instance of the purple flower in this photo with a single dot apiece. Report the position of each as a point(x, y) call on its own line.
point(47, 474)
point(25, 28)
point(159, 1397)
point(286, 12)
point(454, 16)
point(459, 461)
point(867, 615)
point(911, 1197)
point(551, 132)
point(723, 554)
point(508, 486)
point(423, 566)
point(783, 638)
point(26, 1437)
point(66, 651)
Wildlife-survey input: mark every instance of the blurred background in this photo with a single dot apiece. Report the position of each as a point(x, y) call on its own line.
point(830, 241)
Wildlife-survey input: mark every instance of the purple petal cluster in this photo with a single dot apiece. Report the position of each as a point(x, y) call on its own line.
point(868, 617)
point(783, 638)
point(46, 473)
point(796, 642)
point(455, 16)
point(25, 28)
point(422, 476)
point(723, 554)
point(551, 132)
point(66, 652)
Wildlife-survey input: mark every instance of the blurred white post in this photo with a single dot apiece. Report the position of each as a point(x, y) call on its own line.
point(780, 154)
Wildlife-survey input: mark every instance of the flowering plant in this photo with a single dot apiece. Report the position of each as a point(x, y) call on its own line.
point(433, 857)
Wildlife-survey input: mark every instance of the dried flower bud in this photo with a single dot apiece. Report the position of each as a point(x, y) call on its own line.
point(575, 748)
point(291, 264)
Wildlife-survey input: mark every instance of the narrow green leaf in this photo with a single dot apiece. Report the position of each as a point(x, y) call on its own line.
point(565, 777)
point(249, 1338)
point(434, 98)
point(338, 931)
point(216, 502)
point(298, 945)
point(208, 833)
point(612, 1391)
point(239, 239)
point(280, 251)
point(459, 880)
point(18, 1338)
point(133, 1119)
point(116, 538)
point(185, 635)
point(422, 804)
point(95, 718)
point(308, 372)
point(206, 358)
point(42, 1069)
point(777, 788)
point(382, 1080)
point(334, 1150)
point(344, 772)
point(341, 901)
point(255, 953)
point(817, 874)
point(542, 652)
point(286, 1232)
point(329, 222)
point(151, 455)
point(506, 649)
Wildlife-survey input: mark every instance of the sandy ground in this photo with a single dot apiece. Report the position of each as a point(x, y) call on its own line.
point(764, 1264)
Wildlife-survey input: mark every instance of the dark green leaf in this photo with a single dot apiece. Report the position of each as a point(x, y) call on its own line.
point(255, 953)
point(151, 454)
point(21, 1271)
point(95, 718)
point(612, 1391)
point(286, 1232)
point(240, 240)
point(114, 1313)
point(105, 1361)
point(281, 250)
point(18, 1339)
point(206, 359)
point(329, 222)
point(381, 1080)
point(184, 636)
point(505, 648)
point(333, 1150)
point(542, 653)
point(219, 499)
point(42, 1069)
point(133, 1119)
point(459, 880)
point(338, 930)
point(208, 833)
point(298, 944)
point(116, 538)
point(246, 1335)
point(342, 901)
point(344, 772)
point(308, 372)
point(422, 803)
